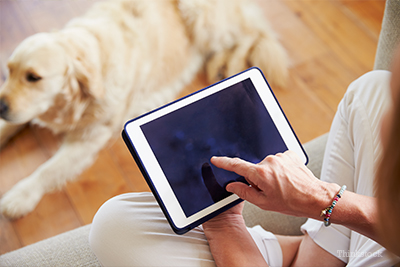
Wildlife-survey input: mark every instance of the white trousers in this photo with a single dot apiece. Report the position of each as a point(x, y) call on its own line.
point(130, 229)
point(351, 158)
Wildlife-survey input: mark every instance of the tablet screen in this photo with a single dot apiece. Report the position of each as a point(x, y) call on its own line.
point(232, 122)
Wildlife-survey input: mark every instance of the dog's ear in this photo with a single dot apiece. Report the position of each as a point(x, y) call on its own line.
point(88, 77)
point(83, 65)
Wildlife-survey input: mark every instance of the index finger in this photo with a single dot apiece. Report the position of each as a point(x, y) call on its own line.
point(236, 165)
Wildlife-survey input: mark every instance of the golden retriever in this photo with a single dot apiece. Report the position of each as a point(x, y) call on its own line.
point(120, 59)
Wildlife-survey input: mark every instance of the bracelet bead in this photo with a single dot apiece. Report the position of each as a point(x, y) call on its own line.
point(328, 211)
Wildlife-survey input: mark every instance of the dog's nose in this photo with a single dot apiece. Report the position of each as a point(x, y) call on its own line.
point(3, 108)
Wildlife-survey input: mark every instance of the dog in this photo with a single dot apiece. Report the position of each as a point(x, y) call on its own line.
point(119, 60)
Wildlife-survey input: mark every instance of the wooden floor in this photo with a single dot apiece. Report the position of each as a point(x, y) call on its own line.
point(329, 42)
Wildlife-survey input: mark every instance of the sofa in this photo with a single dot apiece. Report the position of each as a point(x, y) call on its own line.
point(72, 248)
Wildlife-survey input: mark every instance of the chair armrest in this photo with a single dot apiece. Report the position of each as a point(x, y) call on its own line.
point(389, 36)
point(67, 249)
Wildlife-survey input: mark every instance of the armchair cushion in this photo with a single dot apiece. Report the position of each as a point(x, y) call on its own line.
point(67, 249)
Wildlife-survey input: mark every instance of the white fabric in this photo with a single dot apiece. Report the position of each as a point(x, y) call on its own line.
point(130, 230)
point(351, 157)
point(268, 245)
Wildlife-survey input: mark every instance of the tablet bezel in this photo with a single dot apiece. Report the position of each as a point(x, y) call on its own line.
point(152, 171)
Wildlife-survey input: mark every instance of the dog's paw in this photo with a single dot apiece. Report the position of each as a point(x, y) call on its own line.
point(223, 64)
point(21, 199)
point(216, 66)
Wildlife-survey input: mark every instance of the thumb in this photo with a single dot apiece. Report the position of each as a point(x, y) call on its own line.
point(242, 190)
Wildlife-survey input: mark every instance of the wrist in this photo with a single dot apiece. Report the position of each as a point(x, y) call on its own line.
point(223, 223)
point(217, 231)
point(323, 199)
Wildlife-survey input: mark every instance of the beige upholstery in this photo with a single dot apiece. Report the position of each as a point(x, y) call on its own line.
point(390, 35)
point(67, 249)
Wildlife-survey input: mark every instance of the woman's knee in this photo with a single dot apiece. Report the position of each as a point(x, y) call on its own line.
point(119, 221)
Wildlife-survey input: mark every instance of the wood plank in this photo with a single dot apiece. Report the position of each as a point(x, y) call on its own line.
point(52, 216)
point(48, 142)
point(131, 173)
point(327, 77)
point(351, 44)
point(9, 240)
point(300, 41)
point(10, 174)
point(308, 116)
point(29, 152)
point(368, 16)
point(81, 6)
point(3, 68)
point(10, 167)
point(25, 157)
point(14, 26)
point(18, 160)
point(94, 186)
point(41, 20)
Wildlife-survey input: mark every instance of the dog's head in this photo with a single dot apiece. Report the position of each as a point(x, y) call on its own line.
point(43, 76)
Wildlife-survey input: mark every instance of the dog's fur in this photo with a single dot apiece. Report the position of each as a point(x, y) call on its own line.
point(120, 59)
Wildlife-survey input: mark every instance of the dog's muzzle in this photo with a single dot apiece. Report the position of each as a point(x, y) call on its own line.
point(4, 108)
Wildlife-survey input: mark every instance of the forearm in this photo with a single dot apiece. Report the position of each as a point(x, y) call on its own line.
point(355, 211)
point(232, 245)
point(282, 183)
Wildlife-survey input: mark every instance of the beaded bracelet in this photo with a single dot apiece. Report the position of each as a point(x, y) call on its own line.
point(328, 211)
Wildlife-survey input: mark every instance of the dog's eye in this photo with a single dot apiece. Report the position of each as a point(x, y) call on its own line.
point(31, 77)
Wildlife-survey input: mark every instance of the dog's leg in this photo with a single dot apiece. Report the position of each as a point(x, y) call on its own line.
point(76, 154)
point(226, 63)
point(8, 130)
point(237, 36)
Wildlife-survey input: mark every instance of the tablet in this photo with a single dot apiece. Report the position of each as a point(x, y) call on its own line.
point(173, 145)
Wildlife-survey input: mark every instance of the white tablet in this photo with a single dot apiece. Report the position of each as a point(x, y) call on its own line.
point(173, 145)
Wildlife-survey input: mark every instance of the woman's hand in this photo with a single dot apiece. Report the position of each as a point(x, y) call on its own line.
point(280, 183)
point(230, 218)
point(230, 242)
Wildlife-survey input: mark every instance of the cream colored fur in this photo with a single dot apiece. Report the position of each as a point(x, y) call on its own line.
point(117, 61)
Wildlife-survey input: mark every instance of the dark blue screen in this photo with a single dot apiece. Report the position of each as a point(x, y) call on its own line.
point(233, 122)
